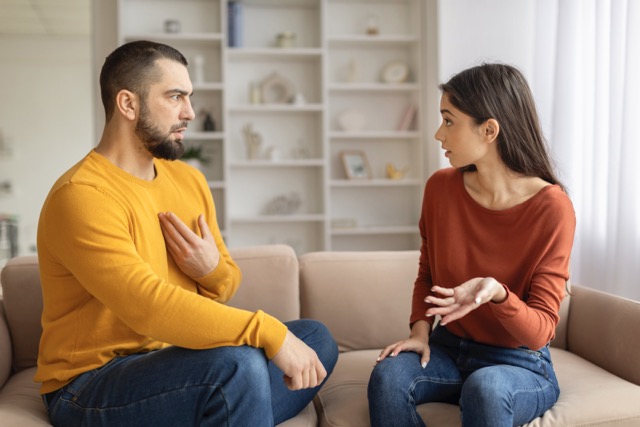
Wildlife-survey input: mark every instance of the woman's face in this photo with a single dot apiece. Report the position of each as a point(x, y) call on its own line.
point(460, 136)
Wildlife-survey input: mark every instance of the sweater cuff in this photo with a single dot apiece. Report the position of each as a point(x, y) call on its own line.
point(272, 334)
point(216, 276)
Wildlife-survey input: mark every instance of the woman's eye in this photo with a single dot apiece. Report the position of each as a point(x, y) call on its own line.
point(447, 122)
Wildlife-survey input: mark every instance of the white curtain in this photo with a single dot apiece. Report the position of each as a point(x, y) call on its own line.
point(587, 83)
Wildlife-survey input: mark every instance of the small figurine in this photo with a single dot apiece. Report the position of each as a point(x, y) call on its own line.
point(393, 173)
point(208, 125)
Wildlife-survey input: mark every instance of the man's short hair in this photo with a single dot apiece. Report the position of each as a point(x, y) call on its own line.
point(133, 67)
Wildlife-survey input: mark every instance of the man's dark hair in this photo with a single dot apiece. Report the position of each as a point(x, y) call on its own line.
point(133, 67)
point(501, 92)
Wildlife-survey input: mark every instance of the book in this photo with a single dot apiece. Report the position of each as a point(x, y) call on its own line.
point(234, 10)
point(407, 118)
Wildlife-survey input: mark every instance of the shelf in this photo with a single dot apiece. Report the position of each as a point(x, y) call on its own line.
point(397, 229)
point(278, 218)
point(276, 108)
point(273, 53)
point(374, 135)
point(296, 163)
point(217, 185)
point(374, 87)
point(169, 37)
point(207, 86)
point(371, 41)
point(347, 183)
point(203, 136)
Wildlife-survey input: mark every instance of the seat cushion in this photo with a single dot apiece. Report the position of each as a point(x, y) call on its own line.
point(589, 396)
point(20, 402)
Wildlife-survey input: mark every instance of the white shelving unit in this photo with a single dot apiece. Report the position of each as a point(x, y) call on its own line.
point(290, 186)
point(376, 213)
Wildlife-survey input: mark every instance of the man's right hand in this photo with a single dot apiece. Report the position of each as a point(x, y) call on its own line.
point(300, 364)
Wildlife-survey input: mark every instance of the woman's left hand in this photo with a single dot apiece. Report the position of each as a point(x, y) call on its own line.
point(454, 303)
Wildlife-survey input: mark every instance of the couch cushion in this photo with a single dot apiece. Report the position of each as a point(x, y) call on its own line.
point(589, 396)
point(20, 402)
point(269, 280)
point(364, 298)
point(23, 305)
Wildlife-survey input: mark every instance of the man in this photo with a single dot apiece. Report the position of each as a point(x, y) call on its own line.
point(135, 275)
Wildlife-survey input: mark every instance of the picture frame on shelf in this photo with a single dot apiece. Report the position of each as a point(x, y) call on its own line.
point(356, 165)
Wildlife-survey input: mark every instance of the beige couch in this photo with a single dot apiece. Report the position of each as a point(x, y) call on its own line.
point(364, 299)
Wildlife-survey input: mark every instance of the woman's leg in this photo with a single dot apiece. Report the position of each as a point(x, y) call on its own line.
point(519, 386)
point(399, 383)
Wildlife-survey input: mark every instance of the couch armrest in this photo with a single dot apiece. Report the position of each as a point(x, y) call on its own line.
point(23, 308)
point(603, 329)
point(5, 347)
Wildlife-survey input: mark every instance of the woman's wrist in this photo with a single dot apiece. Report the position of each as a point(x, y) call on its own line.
point(500, 293)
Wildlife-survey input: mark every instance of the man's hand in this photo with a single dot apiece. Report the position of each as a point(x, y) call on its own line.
point(196, 256)
point(300, 364)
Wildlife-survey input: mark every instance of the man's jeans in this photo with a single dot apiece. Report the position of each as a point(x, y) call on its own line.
point(225, 386)
point(494, 386)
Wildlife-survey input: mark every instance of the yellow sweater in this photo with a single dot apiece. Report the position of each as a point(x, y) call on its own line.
point(110, 287)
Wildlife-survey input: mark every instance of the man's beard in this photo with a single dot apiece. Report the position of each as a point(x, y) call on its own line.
point(159, 144)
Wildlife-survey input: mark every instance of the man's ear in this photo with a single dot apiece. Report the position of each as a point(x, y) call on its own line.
point(490, 130)
point(128, 104)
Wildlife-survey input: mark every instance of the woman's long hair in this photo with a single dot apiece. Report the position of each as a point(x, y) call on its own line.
point(500, 92)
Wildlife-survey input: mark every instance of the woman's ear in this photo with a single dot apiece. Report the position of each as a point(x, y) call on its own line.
point(127, 104)
point(491, 129)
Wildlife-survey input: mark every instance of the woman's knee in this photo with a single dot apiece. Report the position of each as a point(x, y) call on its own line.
point(391, 375)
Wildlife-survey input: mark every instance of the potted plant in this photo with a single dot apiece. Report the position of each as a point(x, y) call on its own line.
point(194, 156)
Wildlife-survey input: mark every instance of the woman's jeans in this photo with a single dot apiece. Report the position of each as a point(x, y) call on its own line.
point(225, 386)
point(494, 386)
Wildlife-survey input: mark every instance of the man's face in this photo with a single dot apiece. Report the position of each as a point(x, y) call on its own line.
point(166, 111)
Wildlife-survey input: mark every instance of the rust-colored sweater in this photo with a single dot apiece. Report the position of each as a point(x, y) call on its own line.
point(526, 248)
point(109, 285)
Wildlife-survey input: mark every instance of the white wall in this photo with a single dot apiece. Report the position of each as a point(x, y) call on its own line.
point(474, 31)
point(46, 117)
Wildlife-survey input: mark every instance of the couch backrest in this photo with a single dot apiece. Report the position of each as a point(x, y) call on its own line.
point(364, 298)
point(269, 280)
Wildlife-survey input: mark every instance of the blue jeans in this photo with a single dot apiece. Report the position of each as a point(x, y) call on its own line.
point(225, 386)
point(494, 386)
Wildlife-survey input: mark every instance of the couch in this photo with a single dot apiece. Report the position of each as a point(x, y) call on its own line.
point(364, 299)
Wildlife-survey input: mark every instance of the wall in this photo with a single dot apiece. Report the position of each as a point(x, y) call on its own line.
point(46, 117)
point(474, 31)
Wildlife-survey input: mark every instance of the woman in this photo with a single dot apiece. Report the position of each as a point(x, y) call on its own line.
point(497, 230)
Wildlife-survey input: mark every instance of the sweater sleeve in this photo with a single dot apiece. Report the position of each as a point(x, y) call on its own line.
point(423, 284)
point(89, 233)
point(532, 319)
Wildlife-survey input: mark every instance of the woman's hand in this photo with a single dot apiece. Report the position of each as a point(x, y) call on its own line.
point(418, 342)
point(457, 302)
